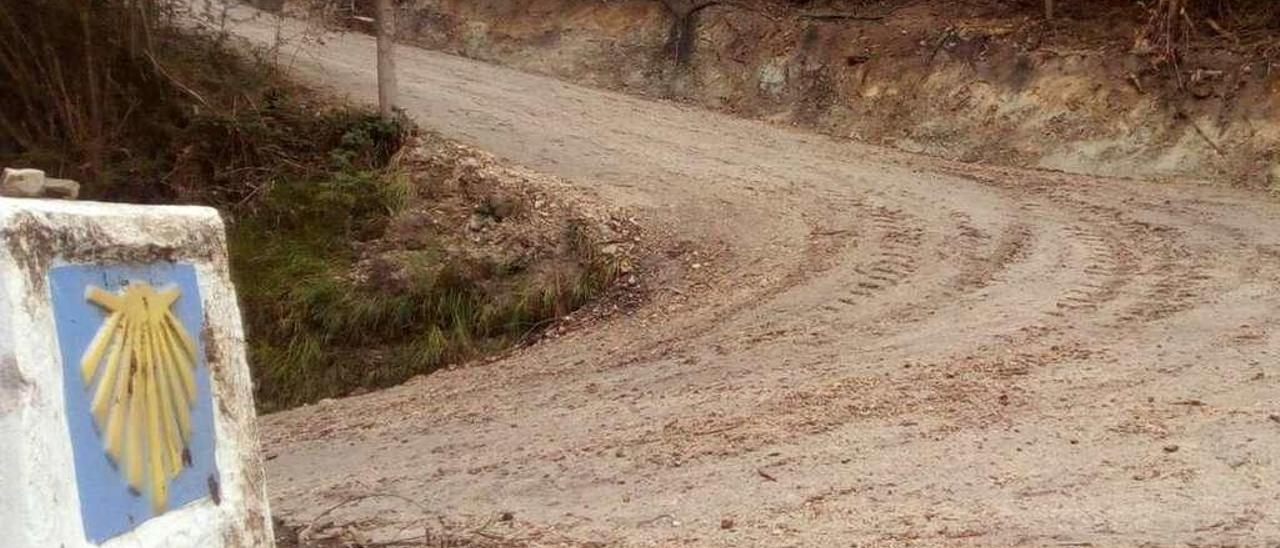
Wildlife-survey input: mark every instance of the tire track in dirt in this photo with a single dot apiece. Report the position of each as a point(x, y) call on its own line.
point(803, 411)
point(897, 253)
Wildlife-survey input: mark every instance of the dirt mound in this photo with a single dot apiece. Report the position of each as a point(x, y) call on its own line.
point(521, 229)
point(459, 258)
point(512, 216)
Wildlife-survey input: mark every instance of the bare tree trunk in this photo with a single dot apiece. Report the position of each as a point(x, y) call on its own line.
point(1048, 9)
point(94, 143)
point(387, 92)
point(1175, 9)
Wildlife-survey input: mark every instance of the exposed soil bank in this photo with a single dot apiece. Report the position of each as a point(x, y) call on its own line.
point(980, 83)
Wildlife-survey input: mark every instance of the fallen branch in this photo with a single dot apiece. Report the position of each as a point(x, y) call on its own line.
point(840, 17)
point(361, 498)
point(655, 519)
point(1206, 138)
point(1137, 84)
point(176, 83)
point(829, 232)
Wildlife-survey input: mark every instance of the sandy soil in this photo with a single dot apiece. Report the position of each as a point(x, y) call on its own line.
point(846, 346)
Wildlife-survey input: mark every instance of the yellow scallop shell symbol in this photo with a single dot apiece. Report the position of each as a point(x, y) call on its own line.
point(140, 368)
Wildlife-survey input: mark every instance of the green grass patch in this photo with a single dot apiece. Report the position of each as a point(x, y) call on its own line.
point(319, 328)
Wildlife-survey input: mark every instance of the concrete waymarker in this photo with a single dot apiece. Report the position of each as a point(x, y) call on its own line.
point(126, 407)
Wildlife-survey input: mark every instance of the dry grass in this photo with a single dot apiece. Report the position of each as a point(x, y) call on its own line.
point(81, 74)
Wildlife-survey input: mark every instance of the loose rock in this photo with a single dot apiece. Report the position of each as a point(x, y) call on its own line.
point(32, 183)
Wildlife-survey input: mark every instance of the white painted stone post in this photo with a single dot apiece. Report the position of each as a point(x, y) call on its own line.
point(126, 407)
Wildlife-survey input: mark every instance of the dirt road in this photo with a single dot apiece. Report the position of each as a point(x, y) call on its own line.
point(868, 348)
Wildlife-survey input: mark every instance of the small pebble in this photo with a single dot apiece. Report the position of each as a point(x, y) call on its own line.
point(726, 523)
point(1170, 449)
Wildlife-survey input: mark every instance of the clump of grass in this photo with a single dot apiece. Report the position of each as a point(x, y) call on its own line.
point(317, 332)
point(318, 328)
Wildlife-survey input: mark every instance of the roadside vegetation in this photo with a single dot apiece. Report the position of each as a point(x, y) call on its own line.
point(356, 267)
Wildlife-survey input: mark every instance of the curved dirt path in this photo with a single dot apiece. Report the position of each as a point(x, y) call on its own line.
point(877, 349)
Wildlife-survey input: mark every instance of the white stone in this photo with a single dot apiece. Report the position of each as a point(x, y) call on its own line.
point(61, 188)
point(32, 183)
point(39, 493)
point(772, 76)
point(22, 183)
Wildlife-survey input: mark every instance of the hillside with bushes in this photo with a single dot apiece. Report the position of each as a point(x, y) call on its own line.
point(365, 251)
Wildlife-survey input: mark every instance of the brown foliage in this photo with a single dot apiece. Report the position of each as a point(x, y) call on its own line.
point(76, 71)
